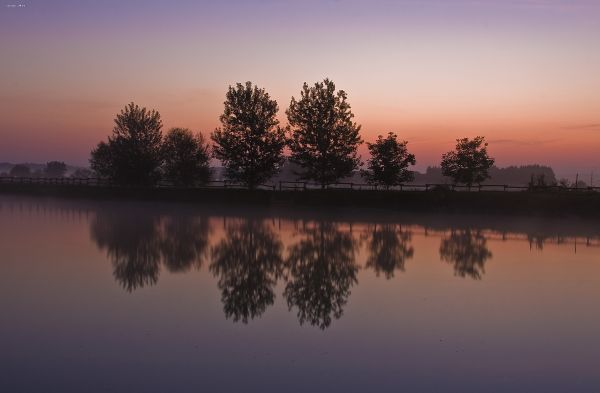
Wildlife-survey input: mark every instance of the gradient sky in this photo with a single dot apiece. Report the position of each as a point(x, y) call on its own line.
point(524, 73)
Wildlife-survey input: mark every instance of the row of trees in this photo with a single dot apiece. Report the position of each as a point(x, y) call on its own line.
point(53, 169)
point(322, 139)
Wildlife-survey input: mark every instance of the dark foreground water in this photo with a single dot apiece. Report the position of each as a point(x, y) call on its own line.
point(141, 297)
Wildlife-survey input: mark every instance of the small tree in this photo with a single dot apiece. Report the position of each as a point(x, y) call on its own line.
point(132, 154)
point(55, 169)
point(82, 173)
point(250, 142)
point(324, 139)
point(186, 157)
point(469, 162)
point(388, 165)
point(20, 170)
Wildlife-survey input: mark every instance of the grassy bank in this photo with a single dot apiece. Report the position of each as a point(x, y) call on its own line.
point(586, 204)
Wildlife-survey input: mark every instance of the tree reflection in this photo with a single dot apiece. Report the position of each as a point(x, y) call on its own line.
point(137, 241)
point(322, 270)
point(185, 242)
point(467, 251)
point(132, 243)
point(248, 263)
point(389, 248)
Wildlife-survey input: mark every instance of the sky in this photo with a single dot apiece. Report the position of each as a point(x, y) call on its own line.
point(523, 73)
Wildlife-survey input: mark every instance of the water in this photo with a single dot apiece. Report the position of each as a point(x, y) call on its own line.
point(129, 296)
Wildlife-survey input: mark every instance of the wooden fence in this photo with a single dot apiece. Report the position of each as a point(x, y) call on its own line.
point(295, 185)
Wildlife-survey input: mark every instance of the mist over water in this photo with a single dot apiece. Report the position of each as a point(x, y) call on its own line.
point(118, 296)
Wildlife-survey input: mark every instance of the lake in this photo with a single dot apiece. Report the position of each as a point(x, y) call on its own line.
point(108, 296)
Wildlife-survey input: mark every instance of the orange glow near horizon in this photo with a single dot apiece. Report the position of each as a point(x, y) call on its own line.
point(523, 74)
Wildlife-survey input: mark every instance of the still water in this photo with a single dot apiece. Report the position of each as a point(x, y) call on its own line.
point(99, 296)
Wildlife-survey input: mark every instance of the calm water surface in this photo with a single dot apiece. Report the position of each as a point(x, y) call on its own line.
point(141, 297)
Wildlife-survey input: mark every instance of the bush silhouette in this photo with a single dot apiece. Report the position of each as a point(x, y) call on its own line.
point(55, 169)
point(20, 170)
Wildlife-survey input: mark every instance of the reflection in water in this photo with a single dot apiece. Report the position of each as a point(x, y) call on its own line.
point(248, 263)
point(321, 270)
point(136, 242)
point(317, 263)
point(132, 244)
point(467, 251)
point(389, 248)
point(185, 243)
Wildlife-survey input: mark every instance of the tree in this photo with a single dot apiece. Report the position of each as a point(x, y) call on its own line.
point(55, 169)
point(20, 170)
point(132, 154)
point(324, 139)
point(469, 163)
point(82, 173)
point(186, 157)
point(250, 142)
point(388, 165)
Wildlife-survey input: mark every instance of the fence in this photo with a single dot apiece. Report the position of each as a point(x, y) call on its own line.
point(295, 185)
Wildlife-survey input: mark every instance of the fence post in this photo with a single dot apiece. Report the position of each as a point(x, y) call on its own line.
point(426, 187)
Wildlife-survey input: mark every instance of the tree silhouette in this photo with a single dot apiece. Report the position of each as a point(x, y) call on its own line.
point(132, 243)
point(55, 169)
point(469, 162)
point(389, 249)
point(20, 170)
point(322, 270)
point(324, 139)
point(250, 142)
point(248, 263)
point(467, 251)
point(82, 173)
point(184, 242)
point(388, 165)
point(186, 157)
point(132, 154)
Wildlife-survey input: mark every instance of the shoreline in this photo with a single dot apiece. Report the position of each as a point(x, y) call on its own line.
point(518, 203)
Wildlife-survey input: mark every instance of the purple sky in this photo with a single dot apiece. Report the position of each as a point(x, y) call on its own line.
point(524, 73)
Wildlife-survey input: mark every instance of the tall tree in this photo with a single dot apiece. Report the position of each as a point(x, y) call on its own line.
point(469, 163)
point(250, 141)
point(388, 165)
point(186, 157)
point(132, 154)
point(324, 139)
point(55, 169)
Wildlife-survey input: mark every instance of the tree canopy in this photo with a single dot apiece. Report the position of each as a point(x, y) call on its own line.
point(469, 162)
point(55, 169)
point(132, 154)
point(324, 138)
point(388, 165)
point(20, 170)
point(186, 157)
point(250, 141)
